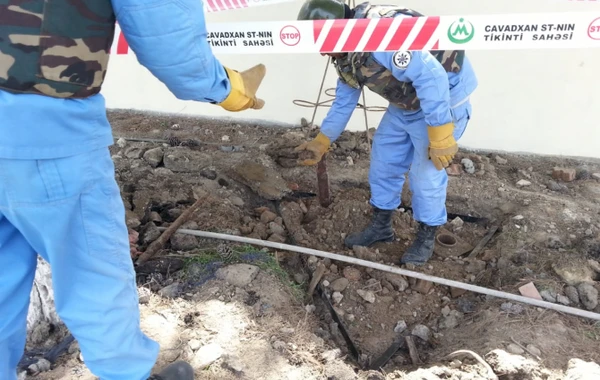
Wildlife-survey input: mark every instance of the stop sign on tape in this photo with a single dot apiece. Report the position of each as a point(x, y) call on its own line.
point(290, 35)
point(594, 29)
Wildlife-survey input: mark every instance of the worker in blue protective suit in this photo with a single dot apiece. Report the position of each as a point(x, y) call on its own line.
point(428, 112)
point(58, 194)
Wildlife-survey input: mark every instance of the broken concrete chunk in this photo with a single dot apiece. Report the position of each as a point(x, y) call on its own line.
point(367, 295)
point(154, 156)
point(206, 355)
point(266, 182)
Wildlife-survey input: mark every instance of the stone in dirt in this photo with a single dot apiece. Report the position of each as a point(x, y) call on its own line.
point(400, 327)
point(422, 332)
point(564, 174)
point(266, 182)
point(451, 321)
point(206, 355)
point(468, 165)
point(340, 284)
point(578, 369)
point(233, 363)
point(523, 183)
point(563, 300)
point(351, 273)
point(548, 295)
point(574, 272)
point(367, 295)
point(454, 170)
point(149, 233)
point(588, 295)
point(180, 159)
point(534, 350)
point(423, 286)
point(515, 349)
point(239, 275)
point(154, 156)
point(397, 280)
point(500, 160)
point(596, 176)
point(183, 242)
point(267, 216)
point(337, 297)
point(515, 366)
point(170, 291)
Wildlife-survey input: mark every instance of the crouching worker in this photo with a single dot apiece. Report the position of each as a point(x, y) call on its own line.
point(58, 194)
point(429, 108)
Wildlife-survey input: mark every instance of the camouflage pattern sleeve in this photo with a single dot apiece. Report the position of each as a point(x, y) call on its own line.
point(169, 38)
point(428, 77)
point(346, 99)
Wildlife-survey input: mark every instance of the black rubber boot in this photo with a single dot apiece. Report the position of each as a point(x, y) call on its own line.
point(421, 249)
point(380, 229)
point(179, 370)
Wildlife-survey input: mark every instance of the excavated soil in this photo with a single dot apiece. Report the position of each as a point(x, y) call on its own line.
point(238, 311)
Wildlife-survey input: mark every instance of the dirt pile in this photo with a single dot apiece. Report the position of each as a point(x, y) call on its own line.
point(246, 306)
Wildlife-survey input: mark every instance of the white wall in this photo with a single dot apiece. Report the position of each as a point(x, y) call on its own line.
point(538, 101)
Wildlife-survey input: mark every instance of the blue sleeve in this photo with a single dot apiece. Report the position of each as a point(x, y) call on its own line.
point(429, 79)
point(169, 38)
point(341, 110)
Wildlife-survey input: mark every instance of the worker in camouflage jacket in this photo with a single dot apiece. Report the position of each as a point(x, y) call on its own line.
point(58, 194)
point(429, 108)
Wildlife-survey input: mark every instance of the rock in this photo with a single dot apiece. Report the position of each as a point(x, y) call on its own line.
point(534, 350)
point(400, 327)
point(266, 182)
point(423, 286)
point(42, 365)
point(194, 344)
point(422, 332)
point(572, 293)
point(515, 349)
point(279, 346)
point(277, 238)
point(523, 183)
point(155, 217)
point(276, 228)
point(468, 165)
point(564, 174)
point(236, 201)
point(594, 265)
point(170, 291)
point(574, 272)
point(154, 156)
point(300, 278)
point(596, 176)
point(500, 160)
point(457, 292)
point(208, 173)
point(144, 295)
point(454, 170)
point(351, 273)
point(134, 152)
point(578, 369)
point(267, 216)
point(233, 363)
point(457, 224)
point(149, 233)
point(331, 355)
point(588, 295)
point(515, 366)
point(239, 275)
point(121, 143)
point(451, 321)
point(180, 159)
point(555, 186)
point(340, 284)
point(367, 295)
point(548, 295)
point(397, 280)
point(475, 266)
point(511, 308)
point(446, 311)
point(183, 242)
point(206, 355)
point(563, 300)
point(337, 297)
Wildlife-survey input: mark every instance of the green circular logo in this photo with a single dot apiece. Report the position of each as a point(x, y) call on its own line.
point(461, 31)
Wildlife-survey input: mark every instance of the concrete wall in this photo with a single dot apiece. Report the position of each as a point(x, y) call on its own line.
point(538, 101)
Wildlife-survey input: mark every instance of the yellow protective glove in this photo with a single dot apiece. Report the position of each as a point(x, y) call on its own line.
point(318, 147)
point(243, 89)
point(442, 146)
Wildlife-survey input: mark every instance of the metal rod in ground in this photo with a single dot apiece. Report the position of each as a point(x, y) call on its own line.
point(323, 182)
point(391, 269)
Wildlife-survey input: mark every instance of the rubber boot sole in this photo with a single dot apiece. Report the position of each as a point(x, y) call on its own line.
point(384, 240)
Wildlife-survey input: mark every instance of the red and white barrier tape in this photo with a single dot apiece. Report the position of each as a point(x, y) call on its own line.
point(482, 32)
point(211, 6)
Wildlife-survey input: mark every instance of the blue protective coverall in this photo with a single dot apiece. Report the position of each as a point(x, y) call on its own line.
point(59, 197)
point(401, 141)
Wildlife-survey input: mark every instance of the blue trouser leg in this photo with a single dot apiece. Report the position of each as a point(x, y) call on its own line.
point(402, 142)
point(17, 265)
point(390, 160)
point(71, 213)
